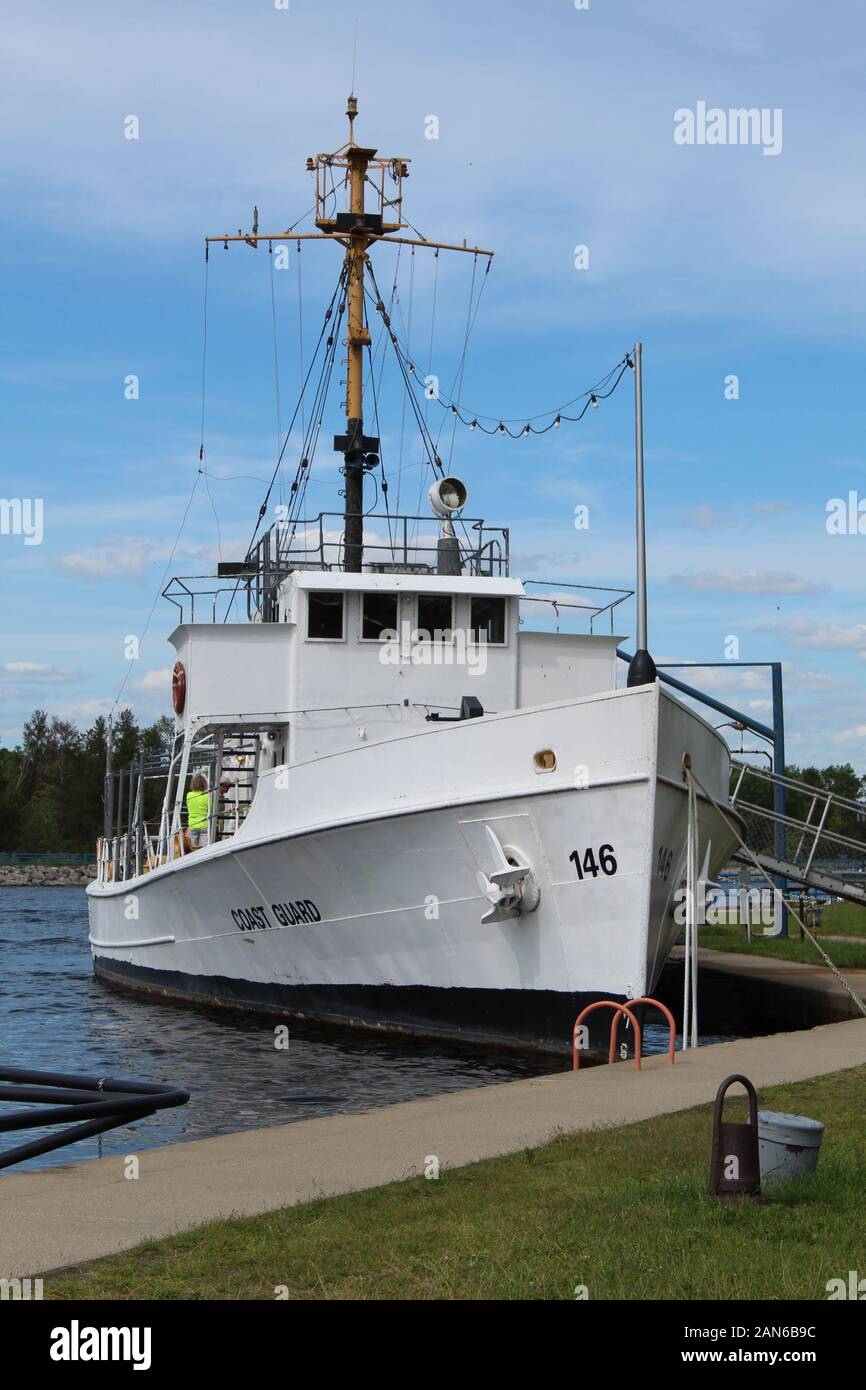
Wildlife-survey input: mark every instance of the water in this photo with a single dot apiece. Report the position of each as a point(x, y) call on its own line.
point(54, 1016)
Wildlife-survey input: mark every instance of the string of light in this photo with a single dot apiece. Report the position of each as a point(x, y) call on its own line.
point(591, 398)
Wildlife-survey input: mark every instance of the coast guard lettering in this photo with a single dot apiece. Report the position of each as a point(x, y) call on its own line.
point(289, 914)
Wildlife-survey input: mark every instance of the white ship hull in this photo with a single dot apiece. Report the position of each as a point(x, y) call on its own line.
point(351, 892)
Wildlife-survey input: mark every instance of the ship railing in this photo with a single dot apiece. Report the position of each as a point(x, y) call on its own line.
point(199, 599)
point(145, 803)
point(571, 603)
point(392, 544)
point(401, 540)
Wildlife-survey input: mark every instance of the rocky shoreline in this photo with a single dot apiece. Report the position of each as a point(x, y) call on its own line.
point(46, 876)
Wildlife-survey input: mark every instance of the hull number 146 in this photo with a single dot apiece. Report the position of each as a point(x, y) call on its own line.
point(585, 861)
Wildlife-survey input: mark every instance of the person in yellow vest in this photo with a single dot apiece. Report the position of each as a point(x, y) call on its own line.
point(198, 811)
point(198, 805)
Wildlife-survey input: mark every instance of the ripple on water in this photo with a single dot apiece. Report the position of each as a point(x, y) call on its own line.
point(55, 1016)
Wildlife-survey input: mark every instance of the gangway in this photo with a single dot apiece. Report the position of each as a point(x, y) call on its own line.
point(819, 840)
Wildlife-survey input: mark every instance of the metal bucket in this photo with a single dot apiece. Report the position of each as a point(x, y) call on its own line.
point(789, 1145)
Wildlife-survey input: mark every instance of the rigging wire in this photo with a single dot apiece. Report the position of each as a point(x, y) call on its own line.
point(470, 321)
point(276, 360)
point(328, 312)
point(432, 322)
point(158, 594)
point(427, 438)
point(201, 451)
point(381, 454)
point(302, 465)
point(469, 328)
point(311, 439)
point(408, 341)
point(300, 330)
point(429, 373)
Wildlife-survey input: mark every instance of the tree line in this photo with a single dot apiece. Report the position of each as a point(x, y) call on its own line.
point(52, 783)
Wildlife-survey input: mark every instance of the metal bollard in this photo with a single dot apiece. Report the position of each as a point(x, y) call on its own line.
point(735, 1165)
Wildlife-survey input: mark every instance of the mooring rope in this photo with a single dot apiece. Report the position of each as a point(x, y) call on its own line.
point(849, 989)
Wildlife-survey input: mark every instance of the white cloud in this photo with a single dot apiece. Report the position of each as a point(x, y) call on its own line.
point(705, 518)
point(84, 711)
point(154, 680)
point(809, 682)
point(715, 679)
point(131, 557)
point(827, 637)
point(748, 582)
point(108, 560)
point(34, 673)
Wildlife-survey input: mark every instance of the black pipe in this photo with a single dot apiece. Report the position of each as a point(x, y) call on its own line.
point(102, 1102)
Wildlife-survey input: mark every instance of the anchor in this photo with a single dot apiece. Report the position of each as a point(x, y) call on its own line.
point(512, 888)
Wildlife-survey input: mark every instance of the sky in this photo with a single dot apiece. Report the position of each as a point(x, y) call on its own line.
point(558, 126)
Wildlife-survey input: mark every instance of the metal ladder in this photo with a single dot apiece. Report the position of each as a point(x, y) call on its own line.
point(240, 756)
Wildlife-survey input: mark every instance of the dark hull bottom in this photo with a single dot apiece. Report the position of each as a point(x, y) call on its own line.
point(537, 1020)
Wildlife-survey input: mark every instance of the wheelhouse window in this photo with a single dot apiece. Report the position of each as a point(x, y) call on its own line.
point(488, 620)
point(325, 616)
point(378, 615)
point(435, 617)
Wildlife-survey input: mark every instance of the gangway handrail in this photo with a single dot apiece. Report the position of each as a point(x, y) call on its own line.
point(791, 823)
point(795, 783)
point(803, 849)
point(745, 851)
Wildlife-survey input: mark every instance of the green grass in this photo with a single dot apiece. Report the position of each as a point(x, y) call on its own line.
point(839, 919)
point(621, 1211)
point(729, 938)
point(843, 919)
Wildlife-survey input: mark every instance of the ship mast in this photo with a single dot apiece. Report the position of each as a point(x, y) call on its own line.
point(359, 452)
point(356, 230)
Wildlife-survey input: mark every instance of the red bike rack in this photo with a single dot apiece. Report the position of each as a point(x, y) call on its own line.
point(626, 1011)
point(620, 1009)
point(672, 1027)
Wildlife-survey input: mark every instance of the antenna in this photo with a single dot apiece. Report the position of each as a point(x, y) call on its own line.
point(642, 668)
point(355, 56)
point(355, 168)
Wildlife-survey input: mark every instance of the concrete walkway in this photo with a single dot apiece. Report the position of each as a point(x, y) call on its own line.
point(779, 972)
point(62, 1216)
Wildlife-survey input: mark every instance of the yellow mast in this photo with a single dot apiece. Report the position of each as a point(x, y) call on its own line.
point(355, 230)
point(358, 450)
